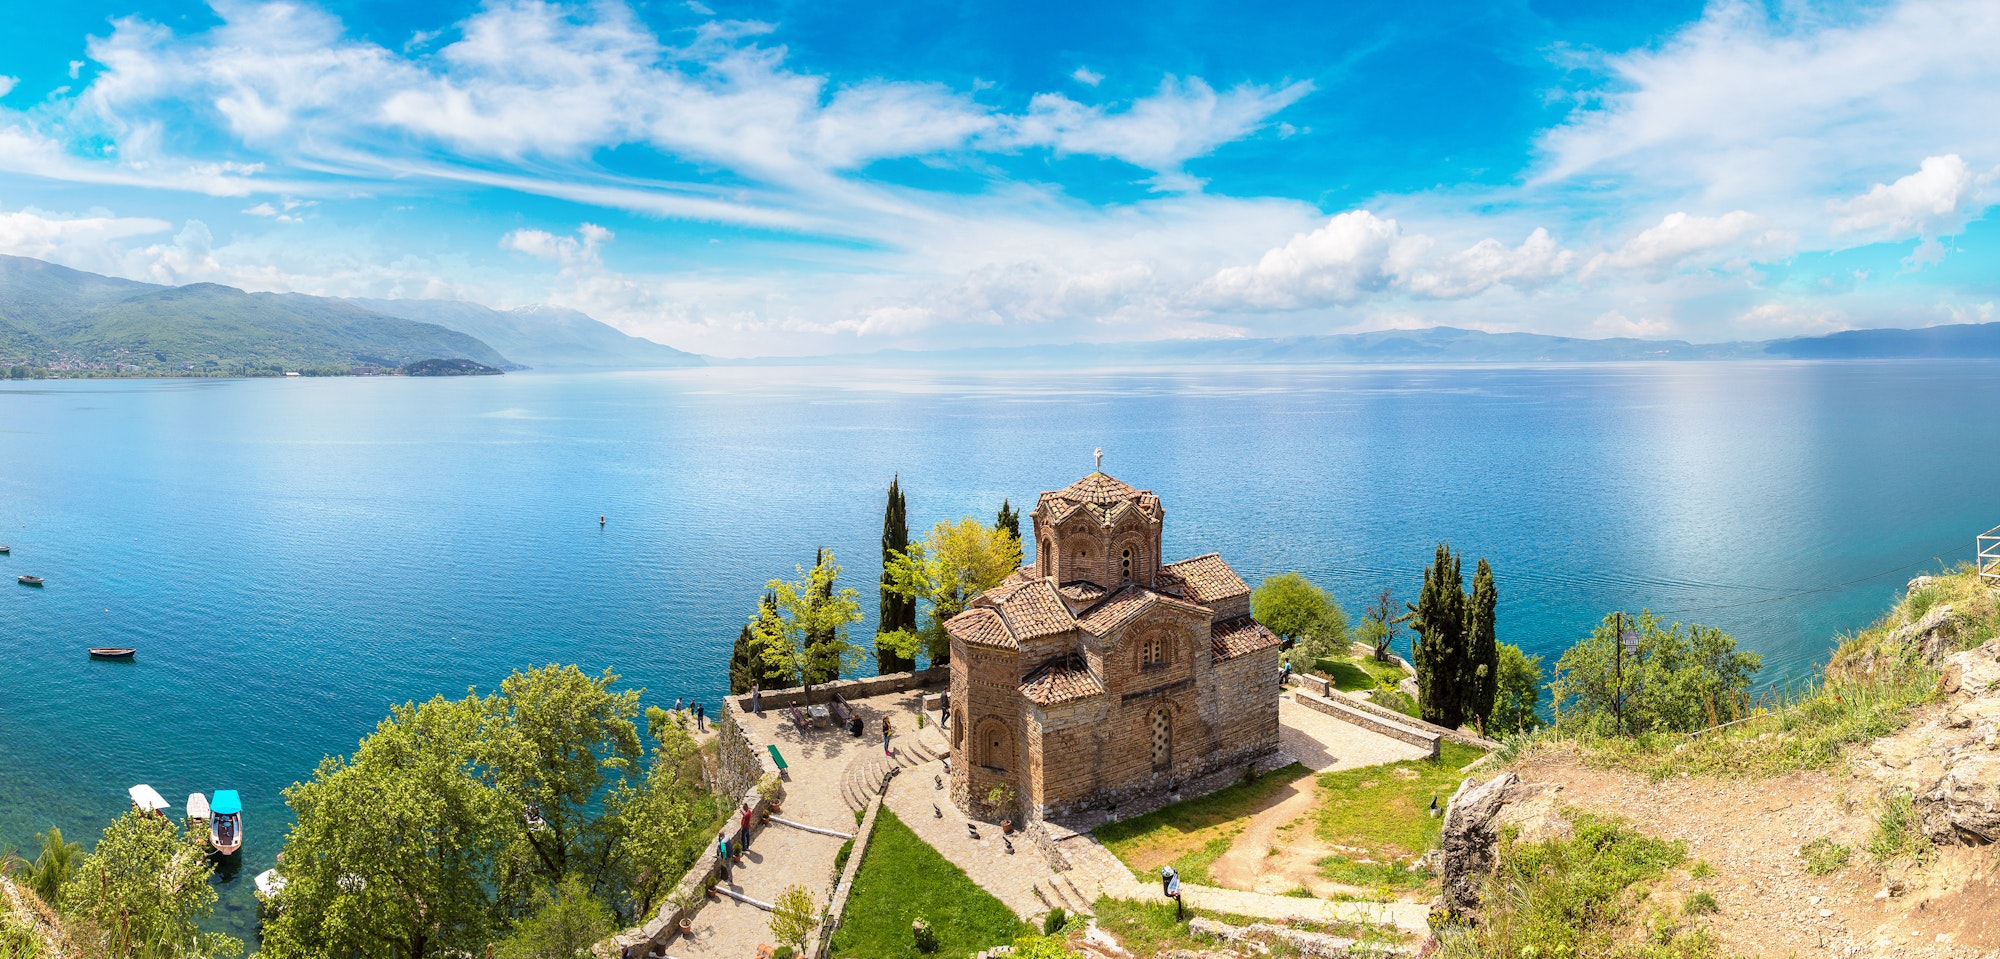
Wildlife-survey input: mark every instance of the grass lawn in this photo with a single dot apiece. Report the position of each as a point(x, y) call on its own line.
point(1150, 928)
point(1193, 834)
point(1356, 673)
point(1381, 816)
point(902, 878)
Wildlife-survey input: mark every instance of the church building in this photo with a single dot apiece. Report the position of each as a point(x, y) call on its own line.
point(1099, 674)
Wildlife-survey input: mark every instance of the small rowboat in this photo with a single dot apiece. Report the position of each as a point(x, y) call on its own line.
point(6, 549)
point(147, 800)
point(197, 808)
point(31, 580)
point(111, 652)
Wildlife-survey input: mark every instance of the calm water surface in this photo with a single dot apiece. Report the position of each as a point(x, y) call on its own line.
point(293, 556)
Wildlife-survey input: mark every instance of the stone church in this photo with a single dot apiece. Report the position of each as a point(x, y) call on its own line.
point(1099, 674)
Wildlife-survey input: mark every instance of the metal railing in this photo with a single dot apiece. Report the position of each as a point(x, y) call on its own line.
point(1989, 555)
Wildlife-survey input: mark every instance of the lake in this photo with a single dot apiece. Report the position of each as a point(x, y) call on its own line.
point(292, 556)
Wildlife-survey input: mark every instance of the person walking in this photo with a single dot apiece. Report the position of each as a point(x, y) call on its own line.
point(700, 719)
point(885, 736)
point(944, 709)
point(746, 827)
point(722, 855)
point(756, 702)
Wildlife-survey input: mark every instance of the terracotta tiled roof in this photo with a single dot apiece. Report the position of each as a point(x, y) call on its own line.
point(1119, 608)
point(1034, 611)
point(1232, 638)
point(1203, 579)
point(980, 626)
point(1102, 496)
point(1082, 591)
point(1060, 681)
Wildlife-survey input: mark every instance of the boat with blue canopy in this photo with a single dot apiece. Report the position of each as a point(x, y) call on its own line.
point(225, 830)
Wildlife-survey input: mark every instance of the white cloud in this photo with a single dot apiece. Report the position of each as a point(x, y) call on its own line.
point(1935, 200)
point(1357, 253)
point(83, 241)
point(1679, 235)
point(1537, 262)
point(7, 84)
point(75, 68)
point(1181, 120)
point(696, 6)
point(1087, 76)
point(579, 250)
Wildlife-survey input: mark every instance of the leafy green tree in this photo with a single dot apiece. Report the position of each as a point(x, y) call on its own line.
point(898, 613)
point(946, 572)
point(1009, 519)
point(1380, 625)
point(1517, 705)
point(1438, 617)
point(402, 849)
point(794, 917)
point(142, 891)
point(769, 672)
point(1302, 613)
point(554, 741)
point(660, 824)
point(1680, 678)
point(563, 926)
point(1481, 680)
point(806, 634)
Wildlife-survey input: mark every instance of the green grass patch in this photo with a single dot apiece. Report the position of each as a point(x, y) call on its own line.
point(1897, 834)
point(1192, 834)
point(1151, 928)
point(1577, 896)
point(1382, 814)
point(1823, 856)
point(902, 879)
point(1700, 904)
point(1355, 673)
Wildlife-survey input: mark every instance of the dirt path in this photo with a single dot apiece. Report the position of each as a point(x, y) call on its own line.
point(1751, 830)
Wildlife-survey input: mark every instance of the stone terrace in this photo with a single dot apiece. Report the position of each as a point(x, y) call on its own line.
point(831, 775)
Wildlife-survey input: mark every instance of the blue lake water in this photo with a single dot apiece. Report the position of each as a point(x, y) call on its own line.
point(293, 556)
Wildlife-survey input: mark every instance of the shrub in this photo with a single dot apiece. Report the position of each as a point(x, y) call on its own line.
point(1897, 834)
point(1043, 947)
point(1681, 679)
point(1053, 922)
point(1700, 904)
point(794, 916)
point(1823, 856)
point(924, 936)
point(1567, 896)
point(1701, 869)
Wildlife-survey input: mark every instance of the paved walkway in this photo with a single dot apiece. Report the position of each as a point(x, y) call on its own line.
point(780, 856)
point(1323, 743)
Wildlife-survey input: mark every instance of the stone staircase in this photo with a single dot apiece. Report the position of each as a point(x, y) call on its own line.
point(1059, 891)
point(863, 778)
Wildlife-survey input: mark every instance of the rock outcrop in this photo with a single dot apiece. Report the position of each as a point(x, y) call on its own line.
point(1962, 806)
point(1471, 834)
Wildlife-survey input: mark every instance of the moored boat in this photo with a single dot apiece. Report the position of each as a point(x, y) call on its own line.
point(112, 652)
point(269, 885)
point(30, 580)
point(147, 800)
point(225, 831)
point(6, 549)
point(197, 809)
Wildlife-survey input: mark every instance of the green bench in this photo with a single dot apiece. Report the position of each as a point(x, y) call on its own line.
point(777, 757)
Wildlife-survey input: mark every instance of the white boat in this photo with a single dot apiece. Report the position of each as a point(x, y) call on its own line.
point(146, 799)
point(197, 808)
point(225, 831)
point(269, 884)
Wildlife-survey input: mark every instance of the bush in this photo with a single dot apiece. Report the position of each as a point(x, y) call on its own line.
point(1681, 679)
point(1897, 834)
point(1700, 904)
point(923, 935)
point(1566, 896)
point(1701, 869)
point(1053, 922)
point(1823, 856)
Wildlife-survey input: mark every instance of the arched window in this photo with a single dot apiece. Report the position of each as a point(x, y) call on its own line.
point(1163, 738)
point(1046, 557)
point(1125, 563)
point(996, 744)
point(1152, 650)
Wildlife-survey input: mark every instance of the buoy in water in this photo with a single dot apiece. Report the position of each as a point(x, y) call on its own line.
point(600, 520)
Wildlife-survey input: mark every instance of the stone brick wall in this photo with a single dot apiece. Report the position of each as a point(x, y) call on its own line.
point(851, 688)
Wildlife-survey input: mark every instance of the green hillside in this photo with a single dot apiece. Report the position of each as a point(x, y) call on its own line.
point(69, 322)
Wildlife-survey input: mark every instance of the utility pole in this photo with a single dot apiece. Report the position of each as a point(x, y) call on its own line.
point(1618, 684)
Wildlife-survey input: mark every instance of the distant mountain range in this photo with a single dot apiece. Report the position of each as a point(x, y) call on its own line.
point(1442, 344)
point(69, 321)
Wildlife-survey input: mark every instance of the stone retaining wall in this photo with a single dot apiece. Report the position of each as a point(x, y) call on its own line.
point(737, 762)
point(850, 688)
point(1312, 685)
point(837, 906)
point(1371, 722)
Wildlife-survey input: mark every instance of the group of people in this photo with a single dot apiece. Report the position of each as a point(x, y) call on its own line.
point(725, 849)
point(700, 714)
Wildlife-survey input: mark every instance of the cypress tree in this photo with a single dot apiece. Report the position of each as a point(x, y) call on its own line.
point(1438, 617)
point(828, 667)
point(897, 612)
point(1009, 520)
point(742, 670)
point(1482, 647)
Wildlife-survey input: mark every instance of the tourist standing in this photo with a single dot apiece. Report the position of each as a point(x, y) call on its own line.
point(700, 719)
point(677, 704)
point(746, 826)
point(722, 855)
point(1170, 886)
point(756, 703)
point(885, 736)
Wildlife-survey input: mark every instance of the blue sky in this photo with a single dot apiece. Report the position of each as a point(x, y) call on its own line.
point(773, 177)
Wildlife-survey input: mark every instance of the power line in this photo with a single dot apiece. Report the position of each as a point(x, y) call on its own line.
point(1800, 593)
